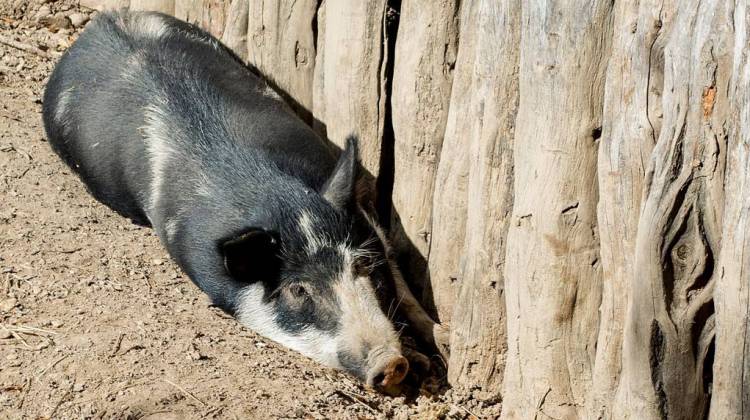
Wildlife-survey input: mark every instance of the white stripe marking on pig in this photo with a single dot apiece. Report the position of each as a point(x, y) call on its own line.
point(159, 151)
point(260, 317)
point(269, 92)
point(63, 101)
point(149, 24)
point(170, 228)
point(204, 187)
point(200, 38)
point(314, 241)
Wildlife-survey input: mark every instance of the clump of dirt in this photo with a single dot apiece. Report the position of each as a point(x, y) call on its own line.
point(95, 319)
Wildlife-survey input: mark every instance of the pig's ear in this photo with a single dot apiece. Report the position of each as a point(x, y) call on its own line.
point(252, 256)
point(339, 189)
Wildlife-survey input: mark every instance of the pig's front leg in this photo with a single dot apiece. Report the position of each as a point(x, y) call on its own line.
point(429, 330)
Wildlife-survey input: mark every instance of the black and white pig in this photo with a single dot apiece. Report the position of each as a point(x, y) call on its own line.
point(168, 128)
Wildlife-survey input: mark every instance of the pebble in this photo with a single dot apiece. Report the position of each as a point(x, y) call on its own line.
point(56, 324)
point(5, 334)
point(78, 19)
point(42, 13)
point(8, 304)
point(79, 387)
point(9, 60)
point(61, 42)
point(56, 22)
point(157, 261)
point(11, 356)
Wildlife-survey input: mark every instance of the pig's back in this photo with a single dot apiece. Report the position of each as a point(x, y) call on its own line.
point(142, 96)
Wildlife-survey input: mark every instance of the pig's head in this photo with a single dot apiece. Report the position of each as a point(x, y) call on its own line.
point(320, 283)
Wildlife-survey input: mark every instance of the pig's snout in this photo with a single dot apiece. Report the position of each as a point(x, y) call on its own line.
point(388, 371)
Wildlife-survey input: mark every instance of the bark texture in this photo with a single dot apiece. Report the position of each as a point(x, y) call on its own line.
point(281, 45)
point(450, 198)
point(350, 98)
point(478, 342)
point(209, 14)
point(164, 6)
point(568, 183)
point(422, 81)
point(731, 368)
point(552, 274)
point(669, 320)
point(234, 34)
point(627, 138)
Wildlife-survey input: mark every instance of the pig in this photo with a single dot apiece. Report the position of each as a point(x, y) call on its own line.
point(168, 128)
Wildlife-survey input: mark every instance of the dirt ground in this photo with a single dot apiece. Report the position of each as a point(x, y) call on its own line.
point(97, 322)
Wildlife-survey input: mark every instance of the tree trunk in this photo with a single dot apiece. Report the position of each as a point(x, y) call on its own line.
point(422, 79)
point(731, 368)
point(282, 46)
point(209, 14)
point(350, 98)
point(552, 274)
point(625, 146)
point(478, 342)
point(450, 199)
point(669, 320)
point(234, 34)
point(569, 181)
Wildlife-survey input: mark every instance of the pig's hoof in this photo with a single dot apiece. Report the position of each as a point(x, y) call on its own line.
point(441, 333)
point(420, 364)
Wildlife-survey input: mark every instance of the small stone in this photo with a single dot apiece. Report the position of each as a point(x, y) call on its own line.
point(78, 19)
point(42, 13)
point(56, 324)
point(8, 304)
point(5, 334)
point(79, 387)
point(57, 22)
point(11, 356)
point(157, 261)
point(62, 42)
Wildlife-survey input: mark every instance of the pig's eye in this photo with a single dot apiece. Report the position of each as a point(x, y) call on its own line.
point(298, 291)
